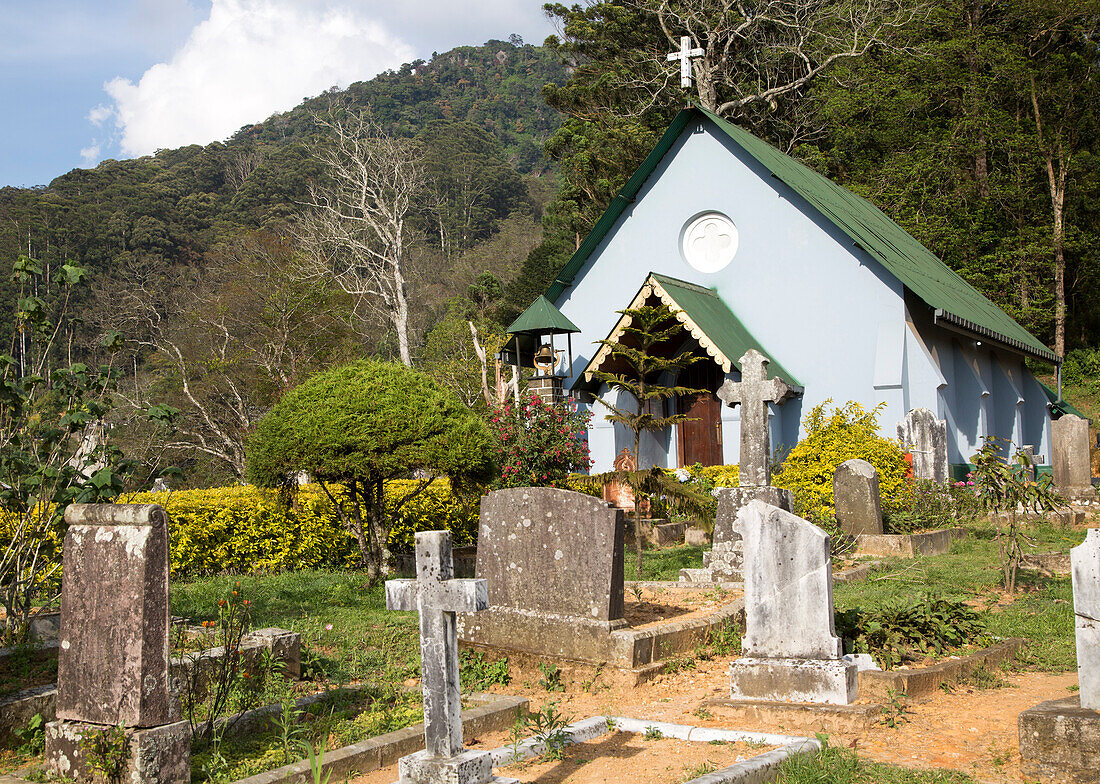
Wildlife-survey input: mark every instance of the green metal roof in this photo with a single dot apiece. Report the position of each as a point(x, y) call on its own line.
point(542, 318)
point(953, 300)
point(706, 317)
point(1060, 407)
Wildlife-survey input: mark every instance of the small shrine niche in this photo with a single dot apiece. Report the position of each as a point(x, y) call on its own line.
point(534, 342)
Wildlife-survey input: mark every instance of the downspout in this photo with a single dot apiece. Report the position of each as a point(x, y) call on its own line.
point(1058, 373)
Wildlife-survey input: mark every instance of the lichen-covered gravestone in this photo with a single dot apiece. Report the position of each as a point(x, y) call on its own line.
point(925, 437)
point(112, 668)
point(1085, 562)
point(790, 650)
point(1071, 460)
point(553, 560)
point(437, 596)
point(856, 495)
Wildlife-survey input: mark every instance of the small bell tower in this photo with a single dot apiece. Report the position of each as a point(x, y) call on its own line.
point(532, 345)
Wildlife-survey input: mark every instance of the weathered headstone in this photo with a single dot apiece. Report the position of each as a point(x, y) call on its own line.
point(1085, 563)
point(1071, 460)
point(726, 556)
point(112, 665)
point(790, 650)
point(553, 560)
point(1027, 452)
point(754, 391)
point(437, 596)
point(857, 499)
point(925, 437)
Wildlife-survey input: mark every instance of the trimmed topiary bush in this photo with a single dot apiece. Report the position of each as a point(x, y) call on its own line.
point(848, 432)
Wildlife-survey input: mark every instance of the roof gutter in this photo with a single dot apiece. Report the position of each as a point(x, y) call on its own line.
point(964, 325)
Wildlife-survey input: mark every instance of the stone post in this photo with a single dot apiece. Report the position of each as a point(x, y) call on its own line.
point(925, 437)
point(112, 668)
point(1071, 459)
point(1085, 562)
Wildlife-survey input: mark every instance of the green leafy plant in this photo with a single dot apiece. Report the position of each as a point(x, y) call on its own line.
point(56, 443)
point(32, 736)
point(550, 679)
point(548, 727)
point(318, 774)
point(921, 505)
point(702, 769)
point(539, 444)
point(208, 681)
point(107, 751)
point(908, 629)
point(1006, 490)
point(288, 728)
point(653, 733)
point(894, 712)
point(478, 674)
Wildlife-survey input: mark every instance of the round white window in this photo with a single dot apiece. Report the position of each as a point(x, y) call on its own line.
point(709, 242)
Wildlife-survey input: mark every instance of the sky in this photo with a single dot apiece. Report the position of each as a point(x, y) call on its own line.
point(84, 81)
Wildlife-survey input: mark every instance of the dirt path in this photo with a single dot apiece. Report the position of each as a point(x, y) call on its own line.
point(970, 730)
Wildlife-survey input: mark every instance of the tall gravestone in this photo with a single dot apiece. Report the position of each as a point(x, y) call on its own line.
point(857, 499)
point(753, 393)
point(112, 668)
point(925, 437)
point(437, 597)
point(1085, 562)
point(1071, 461)
point(790, 650)
point(553, 560)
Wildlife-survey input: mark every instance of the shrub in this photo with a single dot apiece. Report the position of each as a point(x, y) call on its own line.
point(1082, 365)
point(847, 433)
point(538, 444)
point(249, 529)
point(923, 505)
point(909, 629)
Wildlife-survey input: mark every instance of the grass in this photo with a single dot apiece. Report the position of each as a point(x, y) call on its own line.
point(1042, 612)
point(347, 632)
point(665, 564)
point(842, 766)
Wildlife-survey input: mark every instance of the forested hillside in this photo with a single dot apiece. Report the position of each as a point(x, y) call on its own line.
point(478, 110)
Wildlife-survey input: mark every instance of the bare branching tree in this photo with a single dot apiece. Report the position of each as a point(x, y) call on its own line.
point(246, 331)
point(354, 229)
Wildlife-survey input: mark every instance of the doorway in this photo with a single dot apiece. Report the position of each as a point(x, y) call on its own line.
point(699, 438)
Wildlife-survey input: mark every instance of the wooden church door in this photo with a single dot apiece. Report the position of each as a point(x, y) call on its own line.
point(700, 437)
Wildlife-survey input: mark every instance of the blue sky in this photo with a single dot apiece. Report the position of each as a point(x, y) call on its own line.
point(84, 81)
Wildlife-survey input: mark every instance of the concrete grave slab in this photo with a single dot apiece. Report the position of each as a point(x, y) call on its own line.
point(1085, 563)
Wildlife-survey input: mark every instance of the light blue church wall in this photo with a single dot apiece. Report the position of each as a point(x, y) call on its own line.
point(831, 314)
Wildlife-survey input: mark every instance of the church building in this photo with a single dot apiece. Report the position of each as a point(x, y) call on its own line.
point(753, 250)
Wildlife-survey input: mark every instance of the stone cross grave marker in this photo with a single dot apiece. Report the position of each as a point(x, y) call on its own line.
point(1085, 562)
point(437, 596)
point(790, 649)
point(112, 667)
point(754, 391)
point(858, 503)
point(685, 56)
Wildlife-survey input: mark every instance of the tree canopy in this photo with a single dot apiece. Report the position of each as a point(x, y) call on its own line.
point(361, 424)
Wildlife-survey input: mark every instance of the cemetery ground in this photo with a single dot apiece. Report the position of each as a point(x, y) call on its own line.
point(367, 657)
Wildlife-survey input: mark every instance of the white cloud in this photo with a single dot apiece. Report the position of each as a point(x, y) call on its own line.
point(248, 59)
point(100, 114)
point(90, 154)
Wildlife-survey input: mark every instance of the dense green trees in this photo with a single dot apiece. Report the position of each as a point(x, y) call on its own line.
point(360, 425)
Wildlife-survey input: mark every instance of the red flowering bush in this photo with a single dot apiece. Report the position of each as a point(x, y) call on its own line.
point(539, 444)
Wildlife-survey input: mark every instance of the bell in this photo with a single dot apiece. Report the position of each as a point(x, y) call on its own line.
point(544, 355)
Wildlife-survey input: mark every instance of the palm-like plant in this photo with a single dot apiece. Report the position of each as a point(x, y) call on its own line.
point(636, 352)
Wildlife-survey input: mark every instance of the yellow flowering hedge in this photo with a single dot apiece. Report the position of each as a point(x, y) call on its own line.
point(250, 529)
point(848, 432)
